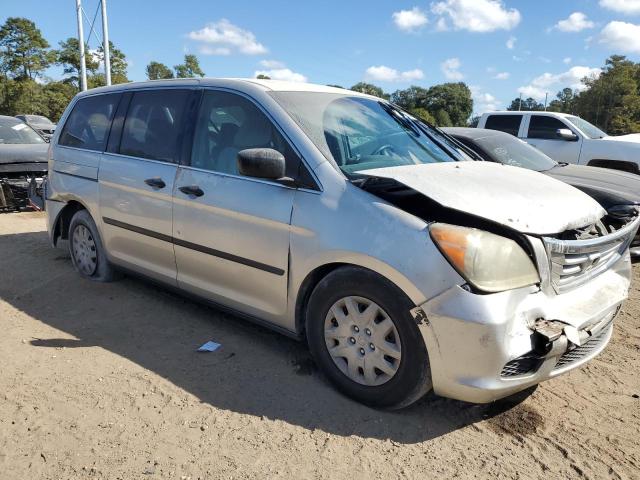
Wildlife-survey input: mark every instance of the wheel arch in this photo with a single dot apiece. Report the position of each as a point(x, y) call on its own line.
point(63, 220)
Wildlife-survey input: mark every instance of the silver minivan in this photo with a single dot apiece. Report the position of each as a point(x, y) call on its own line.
point(336, 217)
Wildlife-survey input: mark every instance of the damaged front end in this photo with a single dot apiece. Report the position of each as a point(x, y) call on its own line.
point(483, 344)
point(21, 187)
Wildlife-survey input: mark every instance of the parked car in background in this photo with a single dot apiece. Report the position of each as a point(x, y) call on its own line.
point(40, 124)
point(23, 163)
point(567, 138)
point(333, 216)
point(618, 192)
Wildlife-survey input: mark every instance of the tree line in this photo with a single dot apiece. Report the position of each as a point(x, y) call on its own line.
point(610, 101)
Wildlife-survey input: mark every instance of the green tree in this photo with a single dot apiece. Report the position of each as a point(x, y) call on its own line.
point(57, 96)
point(158, 71)
point(68, 56)
point(24, 52)
point(118, 67)
point(564, 101)
point(422, 114)
point(612, 100)
point(452, 99)
point(369, 89)
point(190, 68)
point(528, 104)
point(410, 98)
point(262, 76)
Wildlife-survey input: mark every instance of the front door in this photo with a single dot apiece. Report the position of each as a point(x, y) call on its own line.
point(542, 134)
point(231, 233)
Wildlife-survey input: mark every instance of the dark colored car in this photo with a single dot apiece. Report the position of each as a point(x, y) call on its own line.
point(618, 192)
point(23, 163)
point(40, 124)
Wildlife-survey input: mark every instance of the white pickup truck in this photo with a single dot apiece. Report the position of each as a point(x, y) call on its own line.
point(567, 138)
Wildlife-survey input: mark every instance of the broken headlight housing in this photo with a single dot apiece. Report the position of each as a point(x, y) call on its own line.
point(489, 262)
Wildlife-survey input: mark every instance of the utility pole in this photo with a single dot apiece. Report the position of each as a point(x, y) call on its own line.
point(83, 63)
point(105, 43)
point(546, 97)
point(520, 104)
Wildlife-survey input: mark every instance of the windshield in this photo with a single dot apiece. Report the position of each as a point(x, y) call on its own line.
point(589, 130)
point(359, 133)
point(38, 119)
point(510, 150)
point(16, 132)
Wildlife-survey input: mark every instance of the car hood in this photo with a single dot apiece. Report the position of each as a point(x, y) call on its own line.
point(609, 187)
point(43, 126)
point(632, 137)
point(23, 153)
point(521, 199)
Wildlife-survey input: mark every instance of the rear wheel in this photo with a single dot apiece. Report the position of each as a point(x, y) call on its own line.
point(87, 252)
point(363, 337)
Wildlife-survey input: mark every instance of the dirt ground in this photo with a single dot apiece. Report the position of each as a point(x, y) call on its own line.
point(103, 381)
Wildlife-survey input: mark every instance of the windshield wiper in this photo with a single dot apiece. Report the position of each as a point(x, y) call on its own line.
point(399, 117)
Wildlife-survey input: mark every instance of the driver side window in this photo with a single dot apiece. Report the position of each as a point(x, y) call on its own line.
point(228, 123)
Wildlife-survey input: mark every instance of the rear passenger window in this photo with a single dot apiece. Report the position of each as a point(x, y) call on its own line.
point(153, 125)
point(89, 122)
point(504, 123)
point(545, 127)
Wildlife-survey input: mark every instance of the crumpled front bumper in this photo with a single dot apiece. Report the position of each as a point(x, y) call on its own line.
point(472, 337)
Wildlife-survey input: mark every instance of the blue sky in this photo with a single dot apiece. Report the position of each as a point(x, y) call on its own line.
point(499, 47)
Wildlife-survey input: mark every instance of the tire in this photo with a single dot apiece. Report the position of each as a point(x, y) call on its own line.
point(87, 251)
point(400, 381)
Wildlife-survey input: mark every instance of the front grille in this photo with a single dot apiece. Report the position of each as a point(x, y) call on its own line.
point(584, 350)
point(523, 365)
point(575, 262)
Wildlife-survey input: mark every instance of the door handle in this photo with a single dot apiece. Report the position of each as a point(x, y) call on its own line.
point(155, 182)
point(194, 190)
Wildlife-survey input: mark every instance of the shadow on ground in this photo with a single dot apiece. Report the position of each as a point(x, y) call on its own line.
point(256, 372)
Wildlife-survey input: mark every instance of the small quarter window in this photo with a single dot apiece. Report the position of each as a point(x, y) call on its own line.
point(89, 122)
point(505, 123)
point(153, 125)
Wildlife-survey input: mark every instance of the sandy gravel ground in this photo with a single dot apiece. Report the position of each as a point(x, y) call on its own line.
point(102, 381)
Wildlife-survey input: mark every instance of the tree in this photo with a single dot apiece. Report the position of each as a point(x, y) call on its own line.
point(118, 67)
point(334, 86)
point(423, 114)
point(68, 56)
point(158, 71)
point(369, 89)
point(564, 102)
point(528, 104)
point(190, 68)
point(57, 96)
point(24, 52)
point(410, 98)
point(612, 100)
point(452, 99)
point(262, 76)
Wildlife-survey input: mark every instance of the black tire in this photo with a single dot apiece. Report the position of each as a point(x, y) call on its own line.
point(413, 376)
point(103, 270)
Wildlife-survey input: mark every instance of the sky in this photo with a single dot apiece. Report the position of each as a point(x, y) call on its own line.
point(500, 48)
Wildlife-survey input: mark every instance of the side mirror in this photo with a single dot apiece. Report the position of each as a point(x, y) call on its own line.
point(566, 134)
point(261, 163)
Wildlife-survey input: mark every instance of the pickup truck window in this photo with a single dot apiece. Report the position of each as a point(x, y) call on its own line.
point(504, 123)
point(544, 127)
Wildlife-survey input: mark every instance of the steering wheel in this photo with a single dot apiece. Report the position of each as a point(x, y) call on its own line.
point(384, 148)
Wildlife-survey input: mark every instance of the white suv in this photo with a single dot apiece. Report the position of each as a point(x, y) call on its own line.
point(567, 138)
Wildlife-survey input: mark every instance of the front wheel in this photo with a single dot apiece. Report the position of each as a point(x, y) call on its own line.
point(363, 337)
point(88, 255)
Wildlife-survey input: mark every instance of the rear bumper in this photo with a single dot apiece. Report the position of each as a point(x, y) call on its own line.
point(480, 346)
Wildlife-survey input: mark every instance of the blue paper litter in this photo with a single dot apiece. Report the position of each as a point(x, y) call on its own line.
point(209, 347)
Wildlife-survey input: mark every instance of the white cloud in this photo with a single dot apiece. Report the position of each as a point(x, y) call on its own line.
point(410, 20)
point(629, 7)
point(271, 64)
point(483, 101)
point(224, 38)
point(451, 69)
point(550, 83)
point(511, 43)
point(502, 76)
point(621, 36)
point(566, 60)
point(279, 71)
point(476, 15)
point(441, 25)
point(382, 73)
point(576, 22)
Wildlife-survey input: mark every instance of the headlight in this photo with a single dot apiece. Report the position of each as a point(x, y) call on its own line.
point(487, 261)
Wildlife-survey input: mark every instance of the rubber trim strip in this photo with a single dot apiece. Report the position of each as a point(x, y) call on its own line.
point(194, 246)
